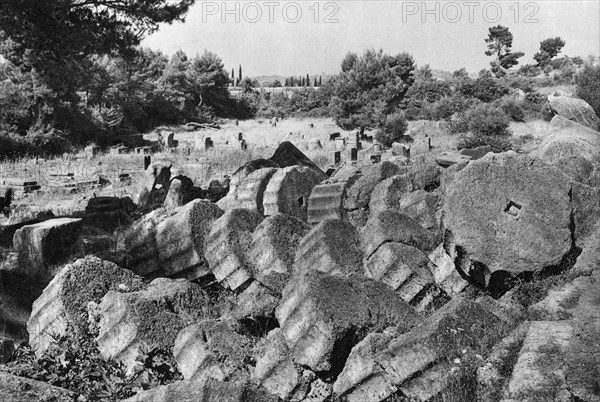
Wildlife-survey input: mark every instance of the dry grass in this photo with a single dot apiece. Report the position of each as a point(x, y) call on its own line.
point(206, 165)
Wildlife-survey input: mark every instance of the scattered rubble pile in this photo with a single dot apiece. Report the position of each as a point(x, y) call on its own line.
point(383, 282)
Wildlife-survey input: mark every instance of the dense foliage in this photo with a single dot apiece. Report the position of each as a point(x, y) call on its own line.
point(75, 363)
point(588, 86)
point(370, 87)
point(392, 130)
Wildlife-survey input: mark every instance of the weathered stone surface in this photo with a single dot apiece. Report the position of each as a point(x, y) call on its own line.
point(399, 149)
point(275, 369)
point(108, 204)
point(62, 307)
point(181, 191)
point(287, 155)
point(180, 239)
point(212, 349)
point(256, 301)
point(422, 207)
point(446, 159)
point(476, 153)
point(402, 267)
point(358, 193)
point(44, 244)
point(19, 389)
point(332, 246)
point(510, 213)
point(574, 109)
point(228, 245)
point(424, 173)
point(391, 226)
point(490, 378)
point(573, 149)
point(105, 222)
point(319, 309)
point(326, 202)
point(139, 241)
point(155, 184)
point(387, 194)
point(205, 391)
point(444, 272)
point(154, 315)
point(585, 201)
point(7, 232)
point(249, 192)
point(288, 191)
point(273, 249)
point(537, 371)
point(381, 363)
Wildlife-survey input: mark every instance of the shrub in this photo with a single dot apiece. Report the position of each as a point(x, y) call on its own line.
point(75, 363)
point(588, 86)
point(393, 129)
point(484, 88)
point(457, 124)
point(447, 106)
point(513, 109)
point(488, 120)
point(498, 144)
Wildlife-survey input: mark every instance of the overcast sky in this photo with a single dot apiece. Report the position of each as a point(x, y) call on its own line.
point(295, 38)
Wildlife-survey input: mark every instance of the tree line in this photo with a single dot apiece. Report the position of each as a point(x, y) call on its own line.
point(75, 73)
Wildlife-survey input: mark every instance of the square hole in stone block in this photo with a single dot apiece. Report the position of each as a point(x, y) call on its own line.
point(512, 208)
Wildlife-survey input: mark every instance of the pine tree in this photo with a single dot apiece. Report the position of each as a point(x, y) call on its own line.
point(315, 84)
point(240, 74)
point(307, 80)
point(320, 83)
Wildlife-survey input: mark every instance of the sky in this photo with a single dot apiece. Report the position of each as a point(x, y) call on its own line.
point(306, 36)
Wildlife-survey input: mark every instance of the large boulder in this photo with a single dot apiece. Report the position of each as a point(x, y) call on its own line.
point(383, 364)
point(249, 192)
point(139, 241)
point(248, 168)
point(391, 226)
point(358, 194)
point(574, 149)
point(275, 369)
point(320, 314)
point(181, 191)
point(574, 109)
point(273, 249)
point(46, 244)
point(62, 307)
point(287, 155)
point(288, 191)
point(154, 316)
point(387, 194)
point(509, 213)
point(332, 246)
point(212, 349)
point(326, 202)
point(402, 267)
point(180, 239)
point(228, 246)
point(422, 207)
